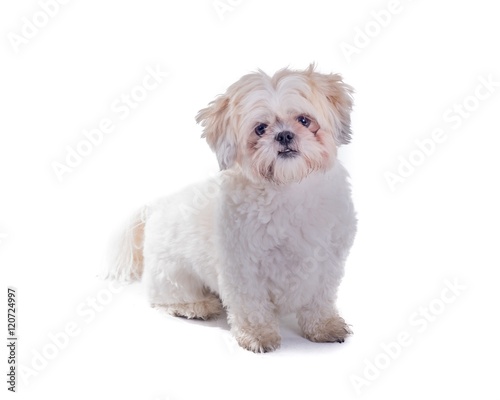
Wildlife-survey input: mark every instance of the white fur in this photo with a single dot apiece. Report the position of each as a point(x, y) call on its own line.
point(263, 246)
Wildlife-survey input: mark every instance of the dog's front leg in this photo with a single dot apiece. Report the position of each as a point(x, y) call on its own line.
point(254, 324)
point(251, 314)
point(320, 320)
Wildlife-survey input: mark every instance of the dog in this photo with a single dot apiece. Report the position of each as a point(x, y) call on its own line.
point(275, 227)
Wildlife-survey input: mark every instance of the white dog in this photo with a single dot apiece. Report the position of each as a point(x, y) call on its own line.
point(273, 231)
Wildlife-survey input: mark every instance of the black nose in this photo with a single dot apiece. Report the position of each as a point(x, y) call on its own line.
point(284, 138)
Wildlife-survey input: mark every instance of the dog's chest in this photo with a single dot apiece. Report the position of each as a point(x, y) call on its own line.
point(281, 227)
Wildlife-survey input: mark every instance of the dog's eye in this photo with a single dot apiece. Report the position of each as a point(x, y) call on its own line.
point(304, 121)
point(260, 129)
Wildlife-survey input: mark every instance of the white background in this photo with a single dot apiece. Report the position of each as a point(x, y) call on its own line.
point(440, 224)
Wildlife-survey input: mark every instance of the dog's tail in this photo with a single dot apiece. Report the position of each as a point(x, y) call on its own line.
point(126, 261)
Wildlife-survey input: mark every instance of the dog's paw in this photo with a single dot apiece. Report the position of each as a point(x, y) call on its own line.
point(259, 341)
point(333, 329)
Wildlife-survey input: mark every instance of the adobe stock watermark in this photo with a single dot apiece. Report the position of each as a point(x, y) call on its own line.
point(392, 349)
point(57, 341)
point(202, 195)
point(223, 7)
point(453, 118)
point(32, 26)
point(363, 36)
point(308, 266)
point(121, 109)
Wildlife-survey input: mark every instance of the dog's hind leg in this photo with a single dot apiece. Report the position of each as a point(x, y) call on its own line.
point(180, 292)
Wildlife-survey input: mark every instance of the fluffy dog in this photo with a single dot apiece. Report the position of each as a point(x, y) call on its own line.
point(270, 234)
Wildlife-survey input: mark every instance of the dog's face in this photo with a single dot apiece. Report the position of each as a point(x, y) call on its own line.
point(280, 128)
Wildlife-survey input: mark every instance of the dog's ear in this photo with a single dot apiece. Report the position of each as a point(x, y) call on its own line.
point(339, 96)
point(216, 123)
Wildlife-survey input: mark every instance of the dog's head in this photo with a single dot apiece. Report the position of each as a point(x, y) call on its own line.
point(279, 128)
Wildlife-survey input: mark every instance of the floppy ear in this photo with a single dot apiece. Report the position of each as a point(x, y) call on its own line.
point(218, 132)
point(339, 96)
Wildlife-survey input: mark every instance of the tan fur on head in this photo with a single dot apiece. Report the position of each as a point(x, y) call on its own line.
point(215, 120)
point(339, 95)
point(279, 102)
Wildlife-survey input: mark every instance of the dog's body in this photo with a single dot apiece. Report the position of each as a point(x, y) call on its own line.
point(265, 241)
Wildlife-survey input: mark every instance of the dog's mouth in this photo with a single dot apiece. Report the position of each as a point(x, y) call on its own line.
point(287, 153)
